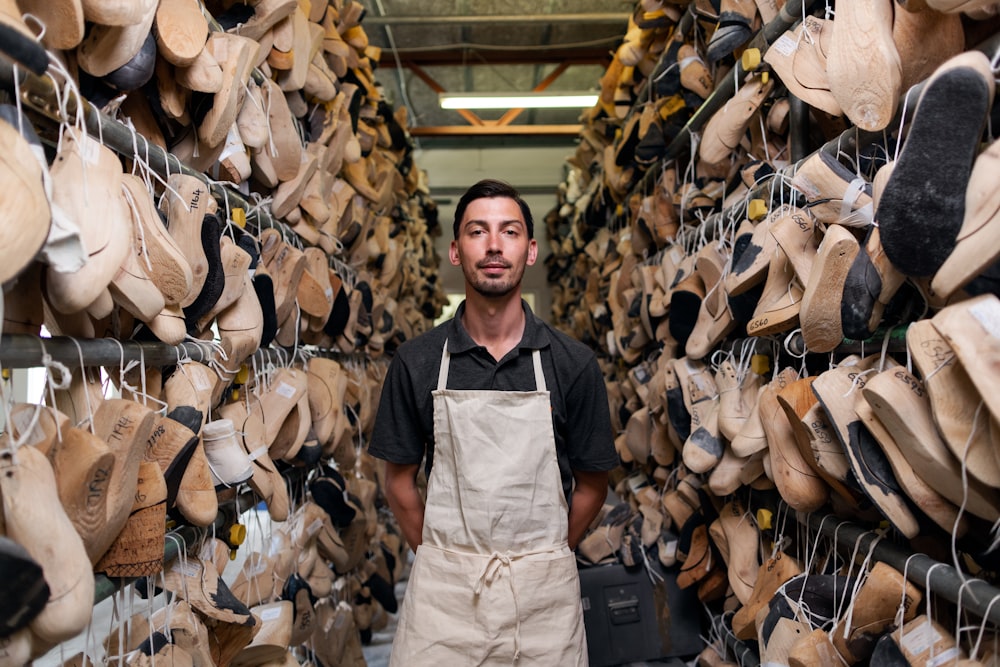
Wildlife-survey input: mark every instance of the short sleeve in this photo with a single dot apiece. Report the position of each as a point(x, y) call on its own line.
point(398, 435)
point(589, 438)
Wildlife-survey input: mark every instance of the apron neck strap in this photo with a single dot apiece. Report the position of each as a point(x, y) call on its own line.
point(536, 359)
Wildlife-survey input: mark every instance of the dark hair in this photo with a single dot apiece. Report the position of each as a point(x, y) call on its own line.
point(488, 189)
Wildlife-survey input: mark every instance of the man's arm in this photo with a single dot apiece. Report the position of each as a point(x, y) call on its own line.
point(405, 500)
point(589, 493)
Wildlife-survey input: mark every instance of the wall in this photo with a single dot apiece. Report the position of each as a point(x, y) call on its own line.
point(535, 171)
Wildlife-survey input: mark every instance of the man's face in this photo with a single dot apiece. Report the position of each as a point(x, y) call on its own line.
point(493, 246)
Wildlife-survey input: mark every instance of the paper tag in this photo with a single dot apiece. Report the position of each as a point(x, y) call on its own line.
point(270, 614)
point(987, 313)
point(285, 389)
point(786, 45)
point(642, 375)
point(329, 294)
point(671, 549)
point(258, 569)
point(188, 569)
point(314, 527)
point(200, 382)
point(951, 655)
point(89, 151)
point(22, 420)
point(257, 453)
point(920, 639)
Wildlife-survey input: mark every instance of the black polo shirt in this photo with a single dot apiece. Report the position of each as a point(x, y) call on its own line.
point(404, 424)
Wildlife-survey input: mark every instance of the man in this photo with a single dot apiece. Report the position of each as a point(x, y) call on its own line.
point(512, 416)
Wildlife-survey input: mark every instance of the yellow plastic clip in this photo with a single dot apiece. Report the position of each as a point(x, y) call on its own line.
point(234, 394)
point(5, 374)
point(760, 364)
point(239, 217)
point(751, 60)
point(765, 77)
point(242, 375)
point(237, 534)
point(764, 518)
point(756, 209)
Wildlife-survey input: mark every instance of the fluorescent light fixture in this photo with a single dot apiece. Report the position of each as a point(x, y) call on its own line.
point(571, 100)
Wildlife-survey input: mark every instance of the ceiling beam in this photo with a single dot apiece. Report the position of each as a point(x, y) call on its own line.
point(474, 19)
point(481, 55)
point(496, 130)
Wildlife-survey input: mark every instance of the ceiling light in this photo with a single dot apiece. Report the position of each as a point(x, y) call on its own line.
point(570, 100)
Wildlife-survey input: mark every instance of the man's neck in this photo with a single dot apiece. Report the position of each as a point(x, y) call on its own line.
point(496, 324)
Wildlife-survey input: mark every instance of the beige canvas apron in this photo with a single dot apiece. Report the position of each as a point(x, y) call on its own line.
point(494, 582)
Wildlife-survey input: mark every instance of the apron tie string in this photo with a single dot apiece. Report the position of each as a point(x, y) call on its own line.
point(489, 573)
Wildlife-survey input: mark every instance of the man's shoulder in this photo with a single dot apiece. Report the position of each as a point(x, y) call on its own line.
point(420, 347)
point(565, 346)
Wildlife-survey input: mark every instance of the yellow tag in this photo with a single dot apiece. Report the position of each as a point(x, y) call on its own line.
point(756, 209)
point(239, 218)
point(237, 534)
point(760, 364)
point(234, 395)
point(232, 554)
point(765, 77)
point(764, 519)
point(242, 375)
point(5, 374)
point(670, 106)
point(751, 60)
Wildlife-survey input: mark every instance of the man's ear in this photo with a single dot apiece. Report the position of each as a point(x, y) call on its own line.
point(532, 252)
point(453, 254)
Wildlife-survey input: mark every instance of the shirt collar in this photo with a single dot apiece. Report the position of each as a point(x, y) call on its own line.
point(535, 336)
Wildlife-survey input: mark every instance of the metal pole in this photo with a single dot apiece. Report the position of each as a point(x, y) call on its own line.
point(480, 19)
point(973, 594)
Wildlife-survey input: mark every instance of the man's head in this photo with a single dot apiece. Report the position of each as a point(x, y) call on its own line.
point(489, 188)
point(493, 240)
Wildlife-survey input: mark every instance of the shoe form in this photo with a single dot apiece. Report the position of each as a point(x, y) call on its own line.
point(137, 550)
point(806, 419)
point(121, 29)
point(724, 130)
point(953, 391)
point(64, 21)
point(800, 486)
point(780, 302)
point(187, 204)
point(920, 215)
point(181, 31)
point(228, 462)
point(125, 426)
point(168, 267)
point(925, 40)
point(875, 608)
point(266, 481)
point(820, 311)
point(751, 437)
point(773, 574)
point(271, 642)
point(235, 55)
point(87, 181)
point(800, 61)
point(750, 268)
point(863, 65)
point(192, 384)
point(937, 508)
point(715, 320)
point(24, 201)
point(203, 74)
point(34, 518)
point(976, 246)
point(902, 404)
point(702, 448)
point(835, 194)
